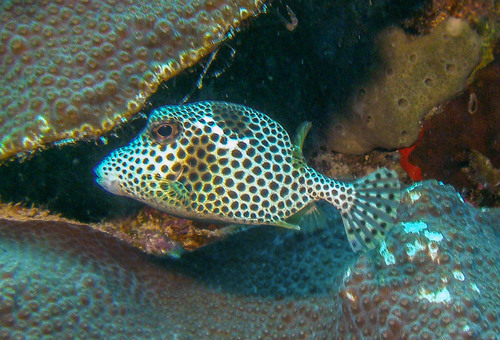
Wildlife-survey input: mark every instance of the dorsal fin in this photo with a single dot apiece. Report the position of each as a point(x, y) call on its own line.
point(298, 140)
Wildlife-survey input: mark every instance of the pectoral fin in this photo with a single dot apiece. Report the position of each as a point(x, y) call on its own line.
point(174, 192)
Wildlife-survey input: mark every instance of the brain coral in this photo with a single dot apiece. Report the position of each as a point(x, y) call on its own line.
point(415, 74)
point(435, 276)
point(75, 69)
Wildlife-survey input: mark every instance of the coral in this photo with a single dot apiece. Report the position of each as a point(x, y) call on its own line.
point(417, 74)
point(483, 15)
point(469, 122)
point(60, 279)
point(75, 70)
point(436, 11)
point(73, 284)
point(436, 275)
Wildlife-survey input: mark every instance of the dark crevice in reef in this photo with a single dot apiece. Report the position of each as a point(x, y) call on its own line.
point(292, 76)
point(61, 179)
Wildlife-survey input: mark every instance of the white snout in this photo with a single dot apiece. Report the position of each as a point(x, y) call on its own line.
point(108, 181)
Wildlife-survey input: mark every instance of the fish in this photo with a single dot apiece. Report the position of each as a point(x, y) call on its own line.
point(226, 163)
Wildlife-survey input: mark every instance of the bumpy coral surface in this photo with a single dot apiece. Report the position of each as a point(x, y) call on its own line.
point(435, 276)
point(75, 69)
point(417, 73)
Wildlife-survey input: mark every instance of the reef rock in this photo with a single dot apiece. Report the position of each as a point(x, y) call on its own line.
point(415, 74)
point(460, 144)
point(436, 275)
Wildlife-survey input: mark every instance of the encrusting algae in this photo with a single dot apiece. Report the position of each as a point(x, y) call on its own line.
point(161, 234)
point(227, 163)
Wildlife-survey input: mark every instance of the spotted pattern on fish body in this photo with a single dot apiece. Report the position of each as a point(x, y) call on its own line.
point(227, 163)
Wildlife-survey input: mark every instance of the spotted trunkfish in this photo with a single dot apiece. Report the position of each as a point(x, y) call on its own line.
point(229, 164)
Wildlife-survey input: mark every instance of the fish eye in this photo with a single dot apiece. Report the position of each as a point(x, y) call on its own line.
point(165, 132)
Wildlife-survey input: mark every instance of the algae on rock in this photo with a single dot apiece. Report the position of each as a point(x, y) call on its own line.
point(417, 73)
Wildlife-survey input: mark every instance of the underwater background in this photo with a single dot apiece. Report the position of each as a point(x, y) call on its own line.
point(408, 85)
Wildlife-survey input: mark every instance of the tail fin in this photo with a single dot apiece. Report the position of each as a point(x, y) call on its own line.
point(373, 209)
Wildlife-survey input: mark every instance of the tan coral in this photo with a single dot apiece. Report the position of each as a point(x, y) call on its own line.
point(75, 69)
point(416, 74)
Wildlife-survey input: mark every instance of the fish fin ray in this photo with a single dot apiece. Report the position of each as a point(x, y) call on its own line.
point(373, 209)
point(311, 217)
point(354, 239)
point(174, 191)
point(300, 136)
point(284, 224)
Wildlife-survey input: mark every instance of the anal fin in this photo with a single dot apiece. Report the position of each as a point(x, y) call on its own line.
point(315, 215)
point(284, 224)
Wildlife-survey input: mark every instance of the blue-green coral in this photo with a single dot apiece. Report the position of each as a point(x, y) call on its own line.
point(436, 275)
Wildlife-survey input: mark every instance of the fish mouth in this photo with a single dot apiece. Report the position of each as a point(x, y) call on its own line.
point(108, 182)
